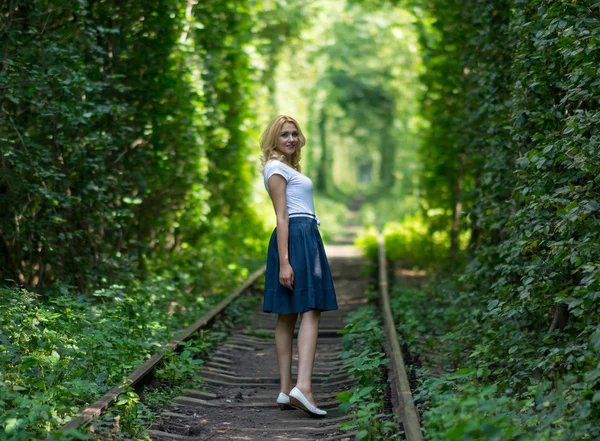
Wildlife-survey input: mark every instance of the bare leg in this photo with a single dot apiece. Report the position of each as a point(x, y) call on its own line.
point(307, 347)
point(284, 337)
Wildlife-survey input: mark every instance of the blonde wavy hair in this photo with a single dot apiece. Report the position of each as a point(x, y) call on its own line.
point(268, 141)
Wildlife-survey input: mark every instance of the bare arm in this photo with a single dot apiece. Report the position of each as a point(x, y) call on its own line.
point(277, 186)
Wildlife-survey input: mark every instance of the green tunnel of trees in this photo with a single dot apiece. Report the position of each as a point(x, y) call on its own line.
point(128, 149)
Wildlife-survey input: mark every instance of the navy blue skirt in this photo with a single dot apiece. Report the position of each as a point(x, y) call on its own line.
point(313, 286)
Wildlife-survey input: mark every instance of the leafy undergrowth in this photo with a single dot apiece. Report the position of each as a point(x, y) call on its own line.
point(504, 383)
point(365, 360)
point(59, 354)
point(409, 241)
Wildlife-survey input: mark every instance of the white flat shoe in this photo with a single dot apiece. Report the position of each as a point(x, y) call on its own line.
point(298, 400)
point(283, 401)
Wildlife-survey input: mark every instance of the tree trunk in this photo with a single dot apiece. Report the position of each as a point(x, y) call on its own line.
point(475, 229)
point(323, 168)
point(457, 208)
point(309, 154)
point(388, 154)
point(561, 315)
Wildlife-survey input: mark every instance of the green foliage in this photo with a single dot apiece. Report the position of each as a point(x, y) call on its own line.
point(526, 385)
point(408, 241)
point(528, 121)
point(513, 101)
point(124, 139)
point(365, 360)
point(60, 355)
point(366, 240)
point(352, 79)
point(86, 153)
point(178, 367)
point(389, 207)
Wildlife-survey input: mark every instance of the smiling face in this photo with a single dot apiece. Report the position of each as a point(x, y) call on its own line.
point(288, 140)
point(282, 140)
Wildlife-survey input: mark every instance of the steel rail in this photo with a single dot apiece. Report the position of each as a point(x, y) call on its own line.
point(404, 405)
point(147, 367)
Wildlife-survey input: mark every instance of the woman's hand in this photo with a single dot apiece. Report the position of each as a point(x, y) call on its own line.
point(286, 275)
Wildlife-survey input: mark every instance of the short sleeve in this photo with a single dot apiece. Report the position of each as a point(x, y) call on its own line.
point(276, 168)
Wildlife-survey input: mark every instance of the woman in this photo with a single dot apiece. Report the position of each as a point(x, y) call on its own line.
point(298, 279)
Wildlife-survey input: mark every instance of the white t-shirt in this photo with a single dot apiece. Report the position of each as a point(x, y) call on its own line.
point(299, 190)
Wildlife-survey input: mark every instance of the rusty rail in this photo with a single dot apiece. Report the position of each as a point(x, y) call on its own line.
point(404, 405)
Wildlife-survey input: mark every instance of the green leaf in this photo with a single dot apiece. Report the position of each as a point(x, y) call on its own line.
point(361, 435)
point(365, 391)
point(344, 396)
point(12, 424)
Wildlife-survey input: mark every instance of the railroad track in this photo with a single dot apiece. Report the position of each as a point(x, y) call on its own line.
point(240, 380)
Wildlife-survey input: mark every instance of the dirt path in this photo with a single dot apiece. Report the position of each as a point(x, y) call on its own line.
point(242, 381)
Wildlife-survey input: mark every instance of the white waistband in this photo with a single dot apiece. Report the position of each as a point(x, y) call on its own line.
point(312, 216)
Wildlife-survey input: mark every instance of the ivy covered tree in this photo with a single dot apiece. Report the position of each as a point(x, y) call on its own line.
point(125, 132)
point(511, 157)
point(513, 103)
